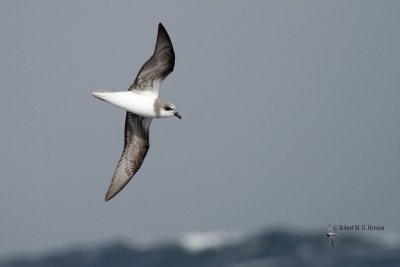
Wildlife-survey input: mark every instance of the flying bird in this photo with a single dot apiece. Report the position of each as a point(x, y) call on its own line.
point(142, 104)
point(331, 236)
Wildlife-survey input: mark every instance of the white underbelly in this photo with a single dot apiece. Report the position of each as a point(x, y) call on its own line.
point(139, 104)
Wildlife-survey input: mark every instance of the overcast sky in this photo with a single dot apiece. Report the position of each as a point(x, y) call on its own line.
point(290, 118)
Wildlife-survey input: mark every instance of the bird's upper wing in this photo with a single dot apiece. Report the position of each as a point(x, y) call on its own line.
point(157, 68)
point(136, 145)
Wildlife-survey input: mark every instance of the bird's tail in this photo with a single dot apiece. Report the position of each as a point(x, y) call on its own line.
point(100, 95)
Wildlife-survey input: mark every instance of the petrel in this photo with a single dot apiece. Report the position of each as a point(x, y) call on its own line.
point(142, 104)
point(331, 236)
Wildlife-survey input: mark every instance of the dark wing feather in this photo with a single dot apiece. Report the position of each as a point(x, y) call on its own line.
point(157, 68)
point(136, 145)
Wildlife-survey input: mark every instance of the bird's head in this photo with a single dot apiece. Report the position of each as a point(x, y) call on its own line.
point(169, 110)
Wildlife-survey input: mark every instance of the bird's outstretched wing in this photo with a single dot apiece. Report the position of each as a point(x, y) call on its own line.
point(157, 68)
point(136, 145)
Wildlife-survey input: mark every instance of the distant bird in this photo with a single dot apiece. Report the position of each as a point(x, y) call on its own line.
point(142, 104)
point(331, 236)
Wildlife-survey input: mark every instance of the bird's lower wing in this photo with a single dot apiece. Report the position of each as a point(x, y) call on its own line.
point(136, 145)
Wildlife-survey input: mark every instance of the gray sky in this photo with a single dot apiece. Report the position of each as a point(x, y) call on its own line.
point(290, 117)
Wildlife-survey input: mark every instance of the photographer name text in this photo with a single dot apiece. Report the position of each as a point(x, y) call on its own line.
point(358, 227)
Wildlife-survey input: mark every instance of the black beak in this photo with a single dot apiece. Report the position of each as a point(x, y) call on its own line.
point(178, 115)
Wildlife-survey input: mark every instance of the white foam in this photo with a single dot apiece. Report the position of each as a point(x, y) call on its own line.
point(199, 241)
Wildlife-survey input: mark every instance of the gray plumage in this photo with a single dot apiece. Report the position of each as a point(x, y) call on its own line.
point(136, 145)
point(157, 68)
point(136, 140)
point(332, 237)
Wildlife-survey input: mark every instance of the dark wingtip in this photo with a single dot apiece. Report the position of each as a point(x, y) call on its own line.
point(161, 27)
point(108, 196)
point(162, 38)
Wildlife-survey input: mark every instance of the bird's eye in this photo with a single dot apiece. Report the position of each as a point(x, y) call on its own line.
point(167, 108)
